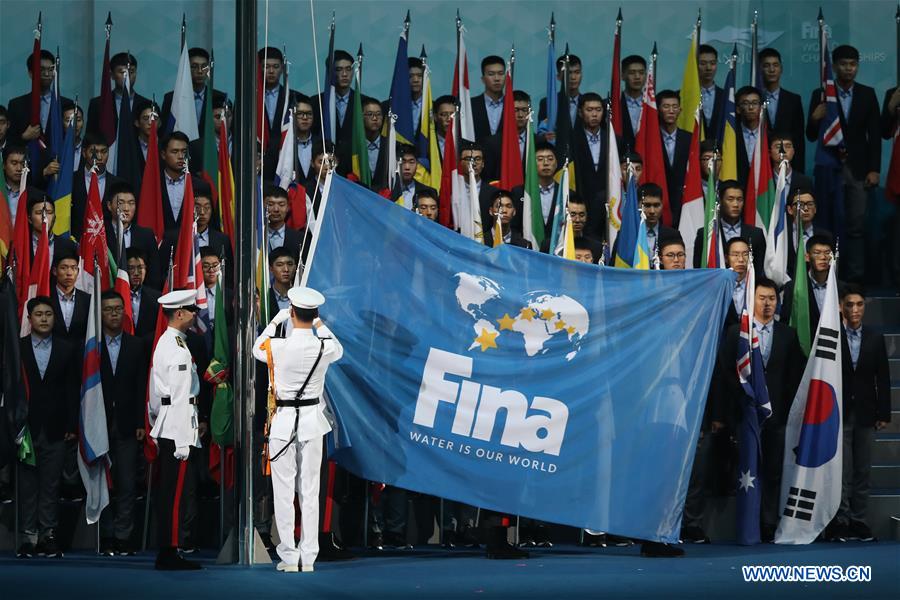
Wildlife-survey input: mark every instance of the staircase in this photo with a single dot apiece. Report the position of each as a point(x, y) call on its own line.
point(883, 313)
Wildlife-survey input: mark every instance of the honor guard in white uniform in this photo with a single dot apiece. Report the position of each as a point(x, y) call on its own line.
point(299, 362)
point(174, 387)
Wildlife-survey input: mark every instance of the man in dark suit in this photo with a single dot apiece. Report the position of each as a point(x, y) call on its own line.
point(123, 376)
point(487, 107)
point(93, 151)
point(51, 366)
point(144, 308)
point(40, 204)
point(473, 154)
point(803, 202)
point(409, 187)
point(819, 250)
point(568, 68)
point(866, 408)
point(274, 97)
point(784, 109)
point(545, 157)
point(650, 198)
point(677, 148)
point(376, 144)
point(859, 114)
point(503, 209)
point(173, 151)
point(444, 109)
point(748, 104)
point(304, 135)
point(493, 146)
point(70, 304)
point(731, 209)
point(783, 360)
point(712, 96)
point(121, 207)
point(634, 74)
point(579, 215)
point(146, 116)
point(781, 145)
point(343, 100)
point(212, 265)
point(21, 131)
point(119, 64)
point(199, 61)
point(277, 210)
point(589, 148)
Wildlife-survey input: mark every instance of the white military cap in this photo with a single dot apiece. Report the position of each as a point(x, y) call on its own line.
point(305, 297)
point(179, 299)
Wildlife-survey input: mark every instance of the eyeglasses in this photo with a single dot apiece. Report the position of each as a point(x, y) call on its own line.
point(372, 115)
point(674, 255)
point(750, 104)
point(303, 114)
point(821, 253)
point(806, 205)
point(113, 310)
point(210, 267)
point(473, 159)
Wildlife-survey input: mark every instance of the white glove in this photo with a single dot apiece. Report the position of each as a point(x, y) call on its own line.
point(283, 315)
point(182, 452)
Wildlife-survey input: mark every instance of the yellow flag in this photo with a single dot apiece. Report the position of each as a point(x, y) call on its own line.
point(690, 88)
point(569, 244)
point(498, 231)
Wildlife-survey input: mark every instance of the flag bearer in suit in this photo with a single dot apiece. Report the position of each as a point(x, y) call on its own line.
point(174, 388)
point(298, 363)
point(866, 409)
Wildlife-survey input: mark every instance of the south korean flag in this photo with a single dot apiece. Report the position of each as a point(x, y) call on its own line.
point(811, 484)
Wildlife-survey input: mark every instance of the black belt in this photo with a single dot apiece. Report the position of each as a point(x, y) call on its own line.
point(297, 403)
point(167, 400)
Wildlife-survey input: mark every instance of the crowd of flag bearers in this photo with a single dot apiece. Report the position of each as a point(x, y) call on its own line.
point(107, 221)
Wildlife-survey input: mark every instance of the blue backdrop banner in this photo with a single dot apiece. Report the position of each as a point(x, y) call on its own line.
point(513, 380)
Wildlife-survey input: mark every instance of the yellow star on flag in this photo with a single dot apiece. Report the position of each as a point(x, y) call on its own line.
point(487, 339)
point(506, 322)
point(547, 314)
point(560, 324)
point(526, 313)
point(570, 330)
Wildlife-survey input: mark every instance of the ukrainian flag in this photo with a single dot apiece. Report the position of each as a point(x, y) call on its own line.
point(61, 187)
point(627, 256)
point(642, 247)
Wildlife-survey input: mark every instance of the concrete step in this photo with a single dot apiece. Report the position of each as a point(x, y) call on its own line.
point(883, 509)
point(894, 425)
point(885, 476)
point(887, 449)
point(883, 311)
point(892, 343)
point(895, 397)
point(894, 365)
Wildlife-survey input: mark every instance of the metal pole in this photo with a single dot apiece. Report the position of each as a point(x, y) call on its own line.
point(222, 498)
point(245, 185)
point(147, 496)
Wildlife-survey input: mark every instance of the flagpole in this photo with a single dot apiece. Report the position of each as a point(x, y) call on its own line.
point(512, 65)
point(654, 55)
point(821, 20)
point(359, 65)
point(897, 46)
point(754, 47)
point(699, 27)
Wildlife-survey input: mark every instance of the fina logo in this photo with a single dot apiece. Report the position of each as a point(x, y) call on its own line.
point(475, 419)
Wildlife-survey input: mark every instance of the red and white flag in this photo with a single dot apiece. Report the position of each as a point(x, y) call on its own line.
point(692, 213)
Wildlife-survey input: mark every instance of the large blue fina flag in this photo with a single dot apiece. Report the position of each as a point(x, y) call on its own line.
point(510, 379)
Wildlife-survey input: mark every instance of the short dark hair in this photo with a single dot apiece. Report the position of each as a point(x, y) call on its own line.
point(122, 59)
point(273, 191)
point(175, 135)
point(321, 147)
point(708, 146)
point(583, 244)
point(492, 59)
point(633, 58)
point(802, 189)
point(820, 239)
point(112, 295)
point(45, 55)
point(306, 315)
point(207, 251)
point(369, 100)
point(67, 104)
point(633, 157)
point(93, 138)
point(707, 49)
point(136, 253)
point(844, 51)
point(342, 55)
point(13, 149)
point(668, 95)
point(734, 241)
point(118, 187)
point(769, 53)
point(501, 194)
point(670, 240)
point(3, 112)
point(445, 99)
point(405, 150)
point(301, 97)
point(763, 281)
point(39, 301)
point(414, 62)
point(589, 97)
point(544, 145)
point(143, 104)
point(196, 52)
point(270, 52)
point(729, 184)
point(650, 189)
point(521, 96)
point(746, 91)
point(561, 61)
point(471, 147)
point(427, 192)
point(281, 252)
point(576, 199)
point(846, 289)
point(779, 136)
point(61, 255)
point(36, 196)
point(201, 188)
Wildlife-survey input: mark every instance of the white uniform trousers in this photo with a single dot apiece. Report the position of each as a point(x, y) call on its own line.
point(297, 470)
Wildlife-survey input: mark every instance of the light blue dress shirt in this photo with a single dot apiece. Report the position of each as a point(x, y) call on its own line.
point(845, 97)
point(66, 306)
point(42, 349)
point(113, 346)
point(271, 100)
point(494, 112)
point(341, 103)
point(374, 147)
point(669, 143)
point(772, 107)
point(594, 142)
point(708, 98)
point(854, 340)
point(634, 111)
point(764, 333)
point(175, 188)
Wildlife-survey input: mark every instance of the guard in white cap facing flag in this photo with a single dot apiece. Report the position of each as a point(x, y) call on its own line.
point(174, 388)
point(297, 366)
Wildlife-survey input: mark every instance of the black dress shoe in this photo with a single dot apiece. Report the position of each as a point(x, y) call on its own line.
point(125, 548)
point(617, 540)
point(767, 534)
point(330, 550)
point(498, 548)
point(376, 542)
point(448, 539)
point(168, 560)
point(50, 548)
point(108, 547)
point(542, 537)
point(658, 550)
point(694, 535)
point(467, 537)
point(396, 540)
point(593, 540)
point(26, 550)
point(861, 532)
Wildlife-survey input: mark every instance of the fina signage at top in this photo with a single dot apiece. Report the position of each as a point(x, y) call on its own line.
point(509, 379)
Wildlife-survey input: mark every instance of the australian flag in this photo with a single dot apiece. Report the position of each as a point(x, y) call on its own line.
point(828, 163)
point(756, 409)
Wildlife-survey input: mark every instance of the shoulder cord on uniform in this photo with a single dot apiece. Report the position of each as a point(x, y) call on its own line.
point(297, 396)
